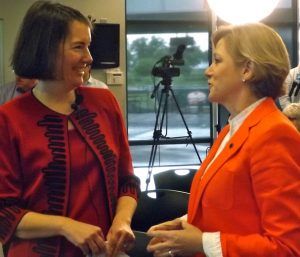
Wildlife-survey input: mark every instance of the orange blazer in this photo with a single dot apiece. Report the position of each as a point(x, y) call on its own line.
point(251, 192)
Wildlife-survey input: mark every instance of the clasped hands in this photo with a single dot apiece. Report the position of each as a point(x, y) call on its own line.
point(91, 241)
point(175, 238)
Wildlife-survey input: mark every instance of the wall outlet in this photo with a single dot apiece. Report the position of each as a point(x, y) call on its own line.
point(114, 77)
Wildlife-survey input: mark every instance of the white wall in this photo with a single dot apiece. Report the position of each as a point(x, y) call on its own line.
point(12, 12)
point(1, 54)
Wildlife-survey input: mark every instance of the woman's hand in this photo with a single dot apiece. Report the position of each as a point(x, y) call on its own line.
point(120, 237)
point(168, 225)
point(174, 239)
point(88, 238)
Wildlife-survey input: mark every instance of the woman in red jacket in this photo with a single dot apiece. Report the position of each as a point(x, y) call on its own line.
point(245, 197)
point(66, 176)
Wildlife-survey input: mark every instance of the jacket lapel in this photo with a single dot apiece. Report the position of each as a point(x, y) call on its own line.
point(196, 184)
point(233, 145)
point(88, 124)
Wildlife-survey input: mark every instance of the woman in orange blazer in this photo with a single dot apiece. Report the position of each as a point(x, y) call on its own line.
point(245, 197)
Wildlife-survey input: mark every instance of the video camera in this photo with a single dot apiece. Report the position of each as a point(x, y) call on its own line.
point(168, 62)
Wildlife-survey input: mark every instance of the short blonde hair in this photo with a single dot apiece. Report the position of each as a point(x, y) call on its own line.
point(264, 48)
point(292, 111)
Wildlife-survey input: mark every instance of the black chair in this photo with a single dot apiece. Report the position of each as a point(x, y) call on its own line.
point(141, 242)
point(170, 179)
point(156, 206)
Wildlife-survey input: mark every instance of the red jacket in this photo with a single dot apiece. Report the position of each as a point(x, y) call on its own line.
point(35, 160)
point(251, 192)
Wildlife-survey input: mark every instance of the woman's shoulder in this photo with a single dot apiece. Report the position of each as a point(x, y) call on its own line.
point(91, 91)
point(97, 96)
point(275, 125)
point(17, 103)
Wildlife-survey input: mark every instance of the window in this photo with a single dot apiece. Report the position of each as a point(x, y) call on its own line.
point(156, 30)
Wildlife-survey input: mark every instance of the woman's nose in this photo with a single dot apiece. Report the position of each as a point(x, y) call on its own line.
point(207, 72)
point(88, 56)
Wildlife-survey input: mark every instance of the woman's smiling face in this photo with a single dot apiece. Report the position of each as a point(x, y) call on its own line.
point(74, 55)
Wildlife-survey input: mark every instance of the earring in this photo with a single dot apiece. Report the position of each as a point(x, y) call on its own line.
point(243, 80)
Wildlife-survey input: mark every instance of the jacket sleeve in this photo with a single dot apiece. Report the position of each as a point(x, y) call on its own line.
point(275, 175)
point(129, 183)
point(11, 210)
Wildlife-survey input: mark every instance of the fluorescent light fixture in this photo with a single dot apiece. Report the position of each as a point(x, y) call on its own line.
point(182, 172)
point(242, 11)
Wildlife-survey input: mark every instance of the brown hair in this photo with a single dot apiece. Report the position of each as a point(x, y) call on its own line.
point(44, 27)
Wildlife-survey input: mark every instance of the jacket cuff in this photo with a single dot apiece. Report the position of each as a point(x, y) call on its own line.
point(10, 216)
point(130, 186)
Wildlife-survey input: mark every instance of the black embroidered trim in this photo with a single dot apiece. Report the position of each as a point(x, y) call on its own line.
point(54, 175)
point(93, 131)
point(7, 215)
point(7, 202)
point(130, 184)
point(45, 248)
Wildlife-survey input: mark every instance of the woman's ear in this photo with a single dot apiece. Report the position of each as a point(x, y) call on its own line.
point(248, 71)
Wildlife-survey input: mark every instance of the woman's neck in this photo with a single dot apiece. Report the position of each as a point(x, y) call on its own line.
point(240, 104)
point(55, 96)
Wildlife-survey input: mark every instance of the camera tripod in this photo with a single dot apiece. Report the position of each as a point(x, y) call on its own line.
point(162, 115)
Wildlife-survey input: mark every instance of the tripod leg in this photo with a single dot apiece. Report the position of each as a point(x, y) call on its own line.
point(157, 133)
point(185, 124)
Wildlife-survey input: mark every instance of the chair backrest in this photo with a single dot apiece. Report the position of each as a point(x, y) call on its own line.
point(156, 206)
point(141, 242)
point(171, 180)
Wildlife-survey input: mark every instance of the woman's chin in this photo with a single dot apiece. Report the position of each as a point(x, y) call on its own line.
point(77, 83)
point(211, 98)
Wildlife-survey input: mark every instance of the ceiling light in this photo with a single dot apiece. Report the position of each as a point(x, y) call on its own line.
point(241, 11)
